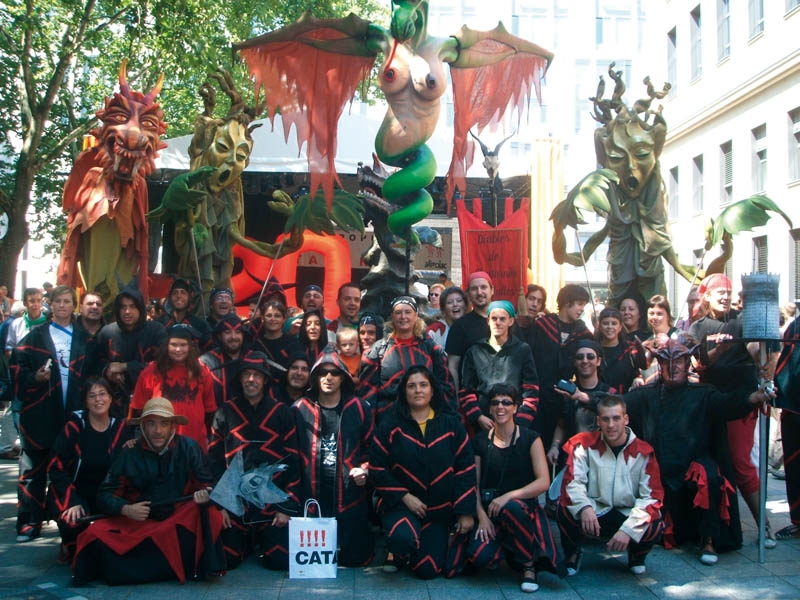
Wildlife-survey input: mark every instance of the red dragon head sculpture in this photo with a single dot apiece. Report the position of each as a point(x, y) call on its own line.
point(129, 135)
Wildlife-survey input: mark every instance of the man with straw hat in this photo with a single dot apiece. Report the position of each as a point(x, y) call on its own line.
point(156, 498)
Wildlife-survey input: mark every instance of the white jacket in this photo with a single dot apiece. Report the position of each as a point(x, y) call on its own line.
point(629, 482)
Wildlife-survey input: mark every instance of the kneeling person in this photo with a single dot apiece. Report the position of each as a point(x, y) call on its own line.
point(154, 532)
point(611, 489)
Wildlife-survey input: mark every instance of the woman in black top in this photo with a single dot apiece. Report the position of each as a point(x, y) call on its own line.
point(82, 454)
point(512, 472)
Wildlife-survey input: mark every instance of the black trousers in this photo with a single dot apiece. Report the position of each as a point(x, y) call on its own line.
point(31, 487)
point(790, 435)
point(572, 533)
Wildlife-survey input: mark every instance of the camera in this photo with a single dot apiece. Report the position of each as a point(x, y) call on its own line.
point(487, 496)
point(566, 386)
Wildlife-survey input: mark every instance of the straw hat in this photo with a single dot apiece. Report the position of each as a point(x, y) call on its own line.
point(160, 407)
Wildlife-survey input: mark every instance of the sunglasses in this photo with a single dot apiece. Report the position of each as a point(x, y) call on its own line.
point(501, 402)
point(434, 294)
point(334, 372)
point(589, 356)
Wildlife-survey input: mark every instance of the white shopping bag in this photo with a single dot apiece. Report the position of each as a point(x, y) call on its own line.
point(312, 546)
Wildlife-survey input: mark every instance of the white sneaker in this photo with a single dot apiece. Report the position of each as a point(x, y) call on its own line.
point(638, 569)
point(709, 558)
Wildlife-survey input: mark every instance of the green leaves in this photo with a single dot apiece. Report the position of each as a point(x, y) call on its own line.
point(743, 215)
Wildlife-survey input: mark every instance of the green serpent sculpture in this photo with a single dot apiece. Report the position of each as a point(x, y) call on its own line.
point(294, 66)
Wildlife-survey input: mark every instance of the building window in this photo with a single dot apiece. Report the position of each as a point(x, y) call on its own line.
point(695, 32)
point(723, 29)
point(726, 173)
point(672, 188)
point(760, 255)
point(697, 184)
point(759, 159)
point(756, 17)
point(790, 6)
point(672, 59)
point(794, 144)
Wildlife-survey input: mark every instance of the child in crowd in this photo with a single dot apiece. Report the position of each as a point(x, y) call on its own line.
point(349, 350)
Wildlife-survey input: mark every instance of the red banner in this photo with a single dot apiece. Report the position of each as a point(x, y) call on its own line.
point(501, 251)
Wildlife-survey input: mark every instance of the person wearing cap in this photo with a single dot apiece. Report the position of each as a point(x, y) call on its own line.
point(49, 367)
point(127, 345)
point(348, 299)
point(473, 327)
point(178, 309)
point(370, 330)
point(685, 424)
point(156, 494)
point(334, 431)
point(502, 358)
point(178, 375)
point(312, 299)
point(405, 346)
point(552, 339)
point(731, 365)
point(264, 432)
point(220, 303)
point(293, 383)
point(225, 356)
point(577, 416)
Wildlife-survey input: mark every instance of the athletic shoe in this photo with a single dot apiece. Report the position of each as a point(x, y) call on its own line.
point(709, 558)
point(770, 543)
point(637, 569)
point(529, 583)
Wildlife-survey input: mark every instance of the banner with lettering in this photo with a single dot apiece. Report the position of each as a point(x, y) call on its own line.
point(501, 251)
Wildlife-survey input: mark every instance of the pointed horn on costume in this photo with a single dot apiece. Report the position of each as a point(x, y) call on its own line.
point(151, 95)
point(123, 78)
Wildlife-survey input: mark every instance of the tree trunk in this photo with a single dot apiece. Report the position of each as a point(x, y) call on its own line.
point(18, 233)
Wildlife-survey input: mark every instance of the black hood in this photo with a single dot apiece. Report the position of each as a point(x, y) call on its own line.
point(129, 291)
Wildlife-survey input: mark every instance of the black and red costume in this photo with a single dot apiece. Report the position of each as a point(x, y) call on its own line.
point(787, 376)
point(136, 348)
point(439, 469)
point(483, 366)
point(44, 411)
point(621, 364)
point(80, 460)
point(685, 425)
point(339, 497)
point(263, 434)
point(180, 538)
point(384, 365)
point(553, 343)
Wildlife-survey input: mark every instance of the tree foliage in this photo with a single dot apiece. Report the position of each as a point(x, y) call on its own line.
point(59, 59)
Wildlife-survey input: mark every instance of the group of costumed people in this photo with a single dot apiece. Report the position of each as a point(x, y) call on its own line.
point(447, 452)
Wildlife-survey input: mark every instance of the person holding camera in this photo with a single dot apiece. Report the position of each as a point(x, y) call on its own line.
point(512, 471)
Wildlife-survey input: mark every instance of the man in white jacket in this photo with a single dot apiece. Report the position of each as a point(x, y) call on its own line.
point(611, 490)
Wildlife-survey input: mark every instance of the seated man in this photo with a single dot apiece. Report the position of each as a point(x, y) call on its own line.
point(154, 533)
point(611, 489)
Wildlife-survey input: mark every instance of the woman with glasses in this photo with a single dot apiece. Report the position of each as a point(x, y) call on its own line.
point(82, 454)
point(512, 472)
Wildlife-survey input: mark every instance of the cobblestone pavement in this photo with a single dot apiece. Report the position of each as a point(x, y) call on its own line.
point(30, 571)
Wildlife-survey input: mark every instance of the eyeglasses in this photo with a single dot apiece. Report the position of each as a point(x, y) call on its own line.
point(434, 294)
point(94, 395)
point(589, 356)
point(334, 372)
point(501, 402)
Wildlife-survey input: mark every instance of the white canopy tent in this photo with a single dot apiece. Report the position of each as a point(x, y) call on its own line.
point(356, 141)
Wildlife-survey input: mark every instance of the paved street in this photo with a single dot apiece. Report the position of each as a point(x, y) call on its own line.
point(30, 571)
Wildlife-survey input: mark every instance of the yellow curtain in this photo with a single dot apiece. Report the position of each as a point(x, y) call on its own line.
point(547, 190)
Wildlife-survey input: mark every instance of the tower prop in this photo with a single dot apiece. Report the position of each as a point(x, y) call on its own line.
point(760, 324)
